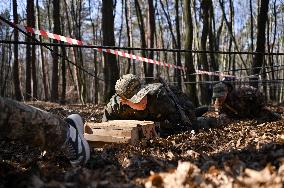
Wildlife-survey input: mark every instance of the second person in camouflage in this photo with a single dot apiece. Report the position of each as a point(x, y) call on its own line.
point(242, 102)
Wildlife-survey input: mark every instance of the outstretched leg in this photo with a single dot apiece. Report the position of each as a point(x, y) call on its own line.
point(44, 130)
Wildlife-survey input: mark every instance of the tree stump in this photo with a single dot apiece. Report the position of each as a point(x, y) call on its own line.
point(118, 131)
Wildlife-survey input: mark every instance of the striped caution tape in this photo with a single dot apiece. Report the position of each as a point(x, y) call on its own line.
point(112, 51)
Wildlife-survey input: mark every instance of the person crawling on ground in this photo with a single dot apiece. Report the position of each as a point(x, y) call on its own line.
point(154, 102)
point(239, 103)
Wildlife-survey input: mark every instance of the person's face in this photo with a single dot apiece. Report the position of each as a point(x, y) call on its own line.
point(220, 101)
point(136, 106)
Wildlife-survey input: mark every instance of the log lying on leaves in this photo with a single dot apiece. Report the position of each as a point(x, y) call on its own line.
point(119, 131)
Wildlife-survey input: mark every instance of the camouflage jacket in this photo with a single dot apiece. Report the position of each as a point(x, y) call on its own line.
point(160, 106)
point(243, 102)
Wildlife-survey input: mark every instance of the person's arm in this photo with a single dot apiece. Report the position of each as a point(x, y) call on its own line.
point(112, 108)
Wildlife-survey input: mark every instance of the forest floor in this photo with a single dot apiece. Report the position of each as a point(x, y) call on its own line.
point(243, 154)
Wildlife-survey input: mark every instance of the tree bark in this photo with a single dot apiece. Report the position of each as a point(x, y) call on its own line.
point(128, 33)
point(260, 43)
point(33, 58)
point(28, 92)
point(188, 42)
point(151, 35)
point(205, 6)
point(56, 29)
point(142, 31)
point(178, 45)
point(16, 78)
point(111, 68)
point(44, 77)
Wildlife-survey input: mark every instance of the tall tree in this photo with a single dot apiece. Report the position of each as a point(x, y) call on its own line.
point(29, 58)
point(77, 14)
point(63, 74)
point(260, 43)
point(127, 12)
point(205, 7)
point(16, 79)
point(188, 42)
point(141, 29)
point(111, 70)
point(178, 44)
point(151, 35)
point(33, 58)
point(56, 29)
point(43, 68)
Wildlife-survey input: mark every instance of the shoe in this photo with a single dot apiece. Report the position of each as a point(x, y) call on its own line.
point(77, 149)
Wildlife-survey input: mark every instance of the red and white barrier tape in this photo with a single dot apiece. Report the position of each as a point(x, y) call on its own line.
point(112, 51)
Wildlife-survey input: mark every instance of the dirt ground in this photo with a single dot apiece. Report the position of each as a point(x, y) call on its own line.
point(242, 154)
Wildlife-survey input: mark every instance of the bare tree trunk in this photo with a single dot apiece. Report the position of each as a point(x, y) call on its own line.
point(63, 72)
point(111, 67)
point(96, 87)
point(205, 6)
point(191, 88)
point(178, 45)
point(231, 25)
point(212, 41)
point(44, 78)
point(251, 24)
point(142, 31)
point(129, 34)
point(16, 79)
point(174, 41)
point(74, 76)
point(33, 58)
point(77, 19)
point(151, 35)
point(28, 93)
point(271, 61)
point(56, 29)
point(162, 45)
point(260, 43)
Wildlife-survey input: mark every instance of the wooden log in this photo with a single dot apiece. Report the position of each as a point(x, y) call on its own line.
point(119, 131)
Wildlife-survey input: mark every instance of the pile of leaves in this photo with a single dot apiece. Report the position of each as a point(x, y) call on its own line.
point(243, 154)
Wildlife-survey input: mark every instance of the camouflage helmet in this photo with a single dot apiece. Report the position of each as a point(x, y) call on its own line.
point(130, 88)
point(219, 90)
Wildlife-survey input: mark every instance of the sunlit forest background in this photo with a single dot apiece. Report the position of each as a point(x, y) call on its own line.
point(241, 38)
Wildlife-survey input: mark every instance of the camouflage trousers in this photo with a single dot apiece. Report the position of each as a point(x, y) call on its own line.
point(32, 126)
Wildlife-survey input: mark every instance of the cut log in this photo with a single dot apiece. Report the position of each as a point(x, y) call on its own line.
point(119, 131)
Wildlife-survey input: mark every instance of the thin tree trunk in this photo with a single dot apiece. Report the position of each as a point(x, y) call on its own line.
point(271, 63)
point(74, 76)
point(178, 45)
point(205, 6)
point(212, 41)
point(56, 29)
point(96, 87)
point(63, 72)
point(44, 77)
point(191, 88)
point(31, 21)
point(142, 31)
point(16, 78)
point(151, 35)
point(129, 38)
point(251, 24)
point(28, 92)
